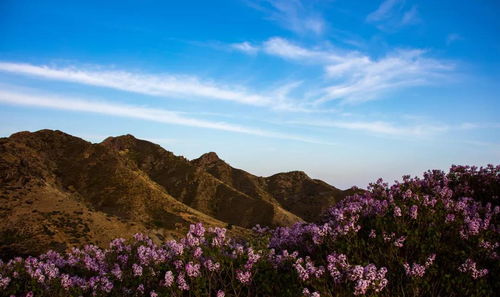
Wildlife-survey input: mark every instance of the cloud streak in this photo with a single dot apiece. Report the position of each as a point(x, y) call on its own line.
point(245, 47)
point(155, 85)
point(384, 11)
point(353, 77)
point(295, 15)
point(392, 129)
point(380, 127)
point(137, 112)
point(392, 15)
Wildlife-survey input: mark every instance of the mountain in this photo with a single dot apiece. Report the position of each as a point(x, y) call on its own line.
point(196, 188)
point(294, 191)
point(57, 191)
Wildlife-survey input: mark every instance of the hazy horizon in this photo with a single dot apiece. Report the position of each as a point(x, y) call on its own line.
point(346, 92)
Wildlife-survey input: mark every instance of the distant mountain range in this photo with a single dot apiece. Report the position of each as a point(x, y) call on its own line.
point(57, 191)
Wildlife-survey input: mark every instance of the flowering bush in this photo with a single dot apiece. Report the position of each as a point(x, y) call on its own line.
point(430, 236)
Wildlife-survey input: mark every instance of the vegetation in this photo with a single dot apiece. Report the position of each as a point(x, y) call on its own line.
point(430, 236)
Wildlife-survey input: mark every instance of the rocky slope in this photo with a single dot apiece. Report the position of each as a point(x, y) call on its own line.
point(294, 191)
point(57, 191)
point(200, 190)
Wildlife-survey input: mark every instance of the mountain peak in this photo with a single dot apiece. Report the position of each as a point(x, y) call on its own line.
point(208, 158)
point(126, 137)
point(44, 132)
point(297, 175)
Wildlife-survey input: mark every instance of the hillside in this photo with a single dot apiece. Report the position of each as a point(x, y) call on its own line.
point(193, 186)
point(294, 191)
point(435, 235)
point(58, 191)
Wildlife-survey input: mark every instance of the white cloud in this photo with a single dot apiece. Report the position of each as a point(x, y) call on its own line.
point(452, 37)
point(391, 129)
point(353, 77)
point(396, 129)
point(384, 11)
point(385, 128)
point(281, 47)
point(149, 84)
point(295, 15)
point(392, 15)
point(366, 79)
point(137, 112)
point(410, 16)
point(381, 127)
point(245, 47)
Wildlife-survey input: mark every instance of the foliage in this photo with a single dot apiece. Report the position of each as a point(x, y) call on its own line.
point(430, 236)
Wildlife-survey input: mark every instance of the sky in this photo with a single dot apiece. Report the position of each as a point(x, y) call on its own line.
point(346, 91)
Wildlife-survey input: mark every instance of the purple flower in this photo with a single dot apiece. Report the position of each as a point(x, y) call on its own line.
point(301, 271)
point(414, 212)
point(106, 285)
point(181, 282)
point(220, 236)
point(116, 271)
point(430, 260)
point(66, 282)
point(450, 218)
point(400, 241)
point(197, 252)
point(361, 287)
point(169, 278)
point(197, 230)
point(137, 269)
point(397, 211)
point(244, 276)
point(192, 270)
point(307, 293)
point(221, 293)
point(471, 267)
point(4, 282)
point(415, 270)
point(211, 266)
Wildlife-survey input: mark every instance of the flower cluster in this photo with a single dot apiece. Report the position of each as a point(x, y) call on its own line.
point(418, 270)
point(470, 267)
point(400, 240)
point(364, 278)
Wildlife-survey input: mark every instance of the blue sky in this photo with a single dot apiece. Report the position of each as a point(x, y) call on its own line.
point(347, 91)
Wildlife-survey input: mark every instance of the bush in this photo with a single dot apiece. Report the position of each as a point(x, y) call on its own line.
point(434, 236)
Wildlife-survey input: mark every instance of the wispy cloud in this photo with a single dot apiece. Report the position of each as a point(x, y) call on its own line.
point(392, 15)
point(384, 11)
point(380, 127)
point(366, 79)
point(137, 112)
point(295, 15)
point(283, 48)
point(395, 129)
point(453, 37)
point(246, 47)
point(353, 77)
point(179, 86)
point(410, 16)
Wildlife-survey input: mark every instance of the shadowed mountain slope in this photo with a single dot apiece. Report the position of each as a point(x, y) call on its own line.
point(193, 186)
point(58, 190)
point(294, 191)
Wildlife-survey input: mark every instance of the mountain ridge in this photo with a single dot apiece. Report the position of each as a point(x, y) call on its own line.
point(58, 190)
